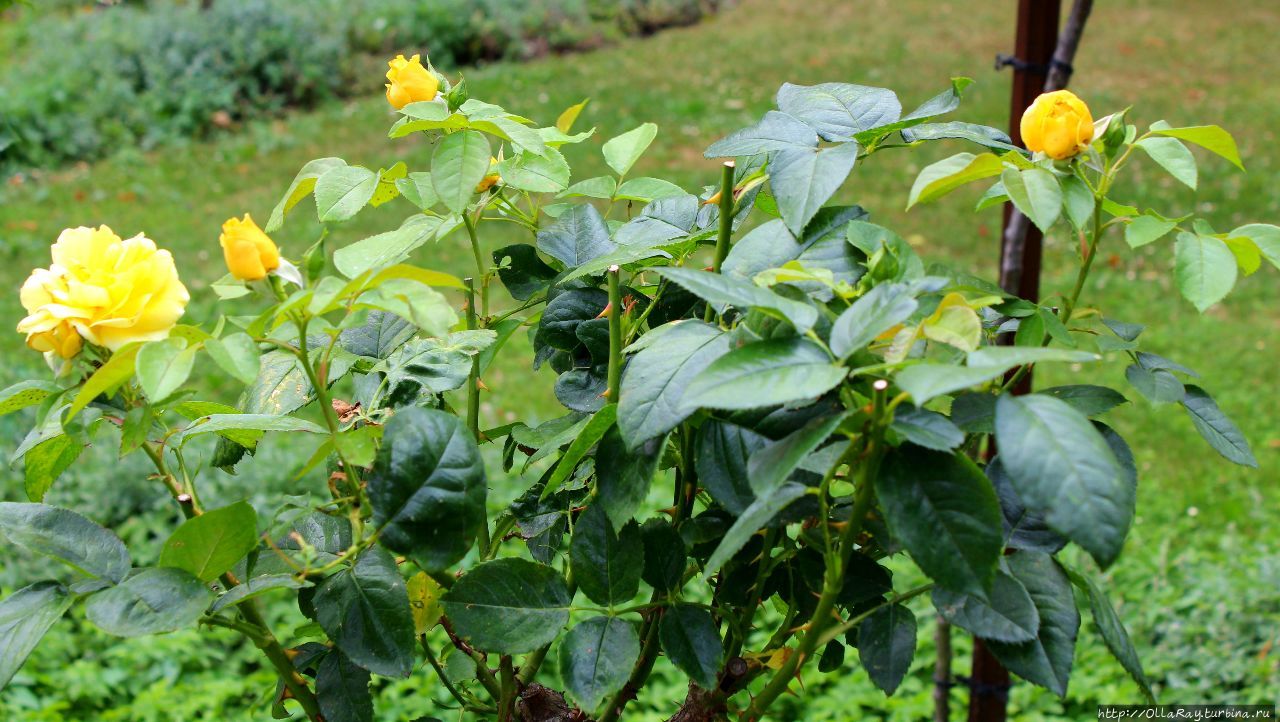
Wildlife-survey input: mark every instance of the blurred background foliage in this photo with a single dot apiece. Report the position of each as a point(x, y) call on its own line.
point(1199, 583)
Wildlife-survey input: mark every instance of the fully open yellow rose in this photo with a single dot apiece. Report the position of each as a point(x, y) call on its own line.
point(250, 253)
point(1057, 123)
point(102, 289)
point(410, 82)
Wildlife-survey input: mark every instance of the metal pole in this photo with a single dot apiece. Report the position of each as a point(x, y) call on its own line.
point(1020, 253)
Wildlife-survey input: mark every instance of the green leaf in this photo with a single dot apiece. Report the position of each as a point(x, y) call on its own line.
point(118, 369)
point(752, 520)
point(152, 601)
point(775, 131)
point(946, 175)
point(718, 289)
point(342, 688)
point(1036, 193)
point(236, 354)
point(596, 657)
point(664, 555)
point(983, 135)
point(804, 179)
point(428, 487)
point(547, 172)
point(946, 514)
point(1209, 137)
point(387, 249)
point(417, 189)
point(1173, 157)
point(163, 366)
point(24, 394)
point(1113, 631)
point(1087, 399)
point(576, 237)
point(623, 476)
point(25, 616)
point(1045, 661)
point(1205, 270)
point(887, 644)
point(770, 246)
point(1060, 464)
point(459, 162)
point(601, 186)
point(772, 465)
point(255, 587)
point(623, 151)
point(766, 373)
point(210, 544)
point(1265, 236)
point(691, 640)
point(67, 537)
point(879, 310)
point(605, 565)
point(1023, 528)
point(300, 188)
point(588, 437)
point(838, 111)
point(654, 382)
point(722, 456)
point(364, 609)
point(1078, 202)
point(1248, 255)
point(281, 386)
point(1007, 615)
point(254, 422)
point(928, 380)
point(926, 428)
point(646, 190)
point(522, 271)
point(342, 191)
point(1146, 229)
point(1010, 357)
point(46, 461)
point(1216, 428)
point(1157, 385)
point(508, 606)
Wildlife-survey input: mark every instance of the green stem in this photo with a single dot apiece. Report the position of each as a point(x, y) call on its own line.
point(507, 703)
point(833, 579)
point(640, 672)
point(615, 335)
point(726, 215)
point(482, 269)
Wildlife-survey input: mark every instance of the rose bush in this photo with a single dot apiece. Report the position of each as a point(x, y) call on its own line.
point(765, 397)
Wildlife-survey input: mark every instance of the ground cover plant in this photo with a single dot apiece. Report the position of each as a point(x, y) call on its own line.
point(817, 303)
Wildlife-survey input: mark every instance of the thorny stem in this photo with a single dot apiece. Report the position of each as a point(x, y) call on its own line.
point(615, 336)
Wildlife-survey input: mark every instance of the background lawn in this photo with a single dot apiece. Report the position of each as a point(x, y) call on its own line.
point(1199, 584)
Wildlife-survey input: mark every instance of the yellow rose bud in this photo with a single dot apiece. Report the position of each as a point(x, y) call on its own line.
point(101, 289)
point(491, 179)
point(250, 253)
point(1057, 123)
point(410, 82)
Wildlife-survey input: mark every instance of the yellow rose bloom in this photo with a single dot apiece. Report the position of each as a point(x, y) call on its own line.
point(250, 253)
point(491, 179)
point(410, 82)
point(102, 289)
point(1058, 124)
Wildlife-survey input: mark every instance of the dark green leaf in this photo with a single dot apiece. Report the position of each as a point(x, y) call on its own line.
point(522, 271)
point(25, 616)
point(691, 640)
point(365, 611)
point(664, 555)
point(1061, 465)
point(605, 565)
point(886, 645)
point(767, 373)
point(1216, 428)
point(623, 475)
point(752, 520)
point(67, 537)
point(924, 381)
point(804, 179)
point(655, 380)
point(210, 544)
point(149, 602)
point(1007, 615)
point(342, 689)
point(508, 606)
point(838, 111)
point(1023, 528)
point(743, 295)
point(1087, 399)
point(1156, 385)
point(596, 657)
point(984, 136)
point(576, 237)
point(256, 587)
point(1113, 632)
point(945, 513)
point(428, 487)
point(723, 451)
point(770, 467)
point(1045, 661)
point(926, 428)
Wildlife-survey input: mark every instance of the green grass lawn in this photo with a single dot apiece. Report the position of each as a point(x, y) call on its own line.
point(1200, 579)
